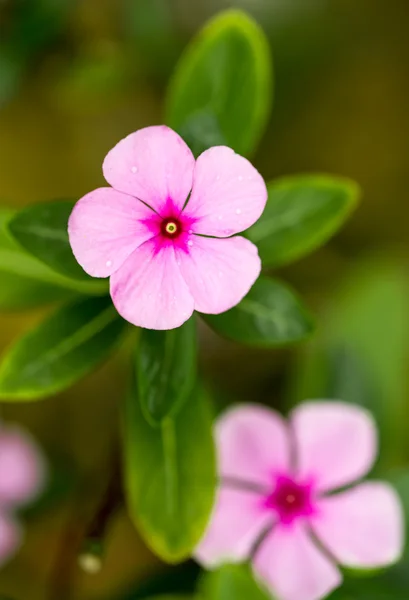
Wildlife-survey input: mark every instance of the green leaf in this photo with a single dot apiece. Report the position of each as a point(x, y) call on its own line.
point(221, 92)
point(42, 230)
point(231, 582)
point(301, 214)
point(361, 353)
point(26, 282)
point(170, 475)
point(59, 351)
point(270, 315)
point(166, 369)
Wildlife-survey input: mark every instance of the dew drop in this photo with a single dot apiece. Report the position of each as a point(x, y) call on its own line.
point(134, 169)
point(108, 263)
point(238, 211)
point(190, 243)
point(190, 231)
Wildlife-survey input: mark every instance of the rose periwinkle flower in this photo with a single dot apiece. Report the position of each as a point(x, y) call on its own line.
point(276, 504)
point(22, 474)
point(162, 232)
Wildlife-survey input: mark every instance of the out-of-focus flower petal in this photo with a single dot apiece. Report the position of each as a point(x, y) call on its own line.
point(22, 469)
point(252, 444)
point(336, 443)
point(292, 566)
point(362, 527)
point(237, 521)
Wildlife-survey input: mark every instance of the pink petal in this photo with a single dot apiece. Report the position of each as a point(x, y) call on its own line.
point(237, 521)
point(292, 567)
point(219, 273)
point(152, 164)
point(22, 470)
point(149, 291)
point(252, 444)
point(362, 527)
point(336, 442)
point(228, 193)
point(104, 228)
point(10, 537)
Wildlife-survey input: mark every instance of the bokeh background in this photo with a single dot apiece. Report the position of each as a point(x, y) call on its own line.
point(76, 77)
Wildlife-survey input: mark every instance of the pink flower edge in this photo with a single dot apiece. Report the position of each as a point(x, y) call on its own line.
point(167, 252)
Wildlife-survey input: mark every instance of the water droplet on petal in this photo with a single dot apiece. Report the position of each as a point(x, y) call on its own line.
point(190, 243)
point(240, 177)
point(190, 231)
point(108, 263)
point(134, 169)
point(238, 211)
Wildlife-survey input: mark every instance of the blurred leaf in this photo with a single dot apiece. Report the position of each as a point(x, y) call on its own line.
point(42, 229)
point(361, 353)
point(270, 315)
point(222, 87)
point(170, 475)
point(231, 582)
point(25, 282)
point(150, 26)
point(301, 214)
point(59, 351)
point(166, 369)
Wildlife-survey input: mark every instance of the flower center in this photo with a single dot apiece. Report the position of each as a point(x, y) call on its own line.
point(291, 499)
point(170, 228)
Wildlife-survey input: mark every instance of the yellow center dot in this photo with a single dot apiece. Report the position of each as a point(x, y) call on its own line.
point(171, 227)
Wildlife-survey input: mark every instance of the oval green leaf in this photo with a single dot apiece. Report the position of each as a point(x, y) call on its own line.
point(166, 369)
point(42, 230)
point(59, 351)
point(170, 475)
point(231, 582)
point(26, 282)
point(270, 315)
point(221, 91)
point(301, 214)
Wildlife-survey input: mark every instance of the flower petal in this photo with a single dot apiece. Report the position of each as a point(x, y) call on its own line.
point(237, 521)
point(153, 164)
point(362, 527)
point(292, 567)
point(22, 470)
point(105, 227)
point(10, 537)
point(252, 444)
point(219, 273)
point(336, 442)
point(149, 291)
point(228, 193)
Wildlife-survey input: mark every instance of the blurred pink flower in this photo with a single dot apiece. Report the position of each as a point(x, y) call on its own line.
point(22, 474)
point(276, 504)
point(162, 231)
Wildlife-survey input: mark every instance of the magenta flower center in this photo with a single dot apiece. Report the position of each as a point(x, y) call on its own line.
point(171, 227)
point(291, 499)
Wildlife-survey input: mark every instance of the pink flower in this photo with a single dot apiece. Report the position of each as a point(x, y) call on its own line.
point(276, 505)
point(162, 232)
point(22, 475)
